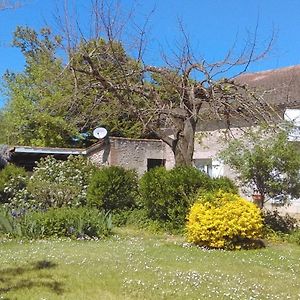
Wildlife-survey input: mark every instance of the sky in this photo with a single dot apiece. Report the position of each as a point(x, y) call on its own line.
point(213, 27)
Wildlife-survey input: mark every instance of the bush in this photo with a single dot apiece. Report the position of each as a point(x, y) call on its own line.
point(8, 224)
point(57, 183)
point(225, 184)
point(136, 217)
point(59, 222)
point(113, 188)
point(274, 221)
point(12, 179)
point(155, 195)
point(224, 220)
point(167, 195)
point(294, 237)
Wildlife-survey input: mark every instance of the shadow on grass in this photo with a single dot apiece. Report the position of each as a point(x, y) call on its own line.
point(12, 279)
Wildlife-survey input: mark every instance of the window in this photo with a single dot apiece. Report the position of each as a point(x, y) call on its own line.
point(212, 167)
point(204, 165)
point(293, 116)
point(153, 163)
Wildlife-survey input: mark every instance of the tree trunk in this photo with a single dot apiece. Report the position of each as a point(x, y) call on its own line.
point(183, 144)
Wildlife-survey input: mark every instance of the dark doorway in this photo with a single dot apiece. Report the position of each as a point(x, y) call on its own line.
point(153, 163)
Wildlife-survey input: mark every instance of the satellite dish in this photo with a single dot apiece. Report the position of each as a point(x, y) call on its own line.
point(100, 133)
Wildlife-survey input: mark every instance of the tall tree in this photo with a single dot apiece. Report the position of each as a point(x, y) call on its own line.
point(173, 102)
point(50, 103)
point(170, 102)
point(35, 114)
point(101, 83)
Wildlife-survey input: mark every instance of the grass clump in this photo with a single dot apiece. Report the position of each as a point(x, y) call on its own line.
point(79, 222)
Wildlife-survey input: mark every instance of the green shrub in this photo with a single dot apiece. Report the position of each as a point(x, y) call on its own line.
point(225, 184)
point(8, 224)
point(155, 193)
point(167, 195)
point(113, 188)
point(136, 217)
point(79, 222)
point(224, 220)
point(274, 221)
point(12, 179)
point(57, 183)
point(294, 237)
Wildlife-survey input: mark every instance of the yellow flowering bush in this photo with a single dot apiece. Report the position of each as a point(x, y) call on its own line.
point(224, 220)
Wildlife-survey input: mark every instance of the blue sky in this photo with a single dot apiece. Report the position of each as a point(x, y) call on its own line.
point(213, 27)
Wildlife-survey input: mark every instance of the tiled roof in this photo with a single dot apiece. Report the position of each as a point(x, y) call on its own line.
point(279, 87)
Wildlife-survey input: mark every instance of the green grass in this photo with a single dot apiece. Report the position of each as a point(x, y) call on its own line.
point(137, 265)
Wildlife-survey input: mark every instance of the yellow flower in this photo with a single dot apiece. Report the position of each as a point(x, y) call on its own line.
point(228, 220)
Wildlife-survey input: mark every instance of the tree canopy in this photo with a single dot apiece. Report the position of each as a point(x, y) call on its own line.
point(35, 113)
point(266, 162)
point(70, 86)
point(52, 102)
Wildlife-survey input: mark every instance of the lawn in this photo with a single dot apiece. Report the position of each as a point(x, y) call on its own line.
point(137, 265)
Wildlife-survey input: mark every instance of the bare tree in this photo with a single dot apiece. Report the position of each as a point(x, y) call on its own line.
point(171, 101)
point(10, 4)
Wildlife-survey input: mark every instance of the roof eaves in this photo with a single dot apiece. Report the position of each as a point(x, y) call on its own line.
point(42, 150)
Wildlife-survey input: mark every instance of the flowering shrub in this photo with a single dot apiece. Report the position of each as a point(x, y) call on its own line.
point(224, 220)
point(54, 183)
point(57, 183)
point(12, 179)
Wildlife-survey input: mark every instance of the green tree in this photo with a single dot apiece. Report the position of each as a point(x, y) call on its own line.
point(50, 103)
point(103, 85)
point(110, 60)
point(173, 100)
point(266, 161)
point(35, 113)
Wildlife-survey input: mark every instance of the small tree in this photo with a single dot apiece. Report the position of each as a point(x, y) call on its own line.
point(267, 162)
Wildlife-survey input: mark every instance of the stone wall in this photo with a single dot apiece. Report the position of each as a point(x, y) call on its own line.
point(131, 153)
point(134, 154)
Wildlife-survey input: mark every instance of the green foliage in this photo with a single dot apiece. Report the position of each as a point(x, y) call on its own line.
point(294, 237)
point(225, 184)
point(112, 63)
point(224, 220)
point(57, 183)
point(48, 104)
point(266, 162)
point(8, 224)
point(167, 195)
point(54, 183)
point(137, 217)
point(36, 112)
point(154, 193)
point(113, 188)
point(278, 223)
point(59, 222)
point(67, 222)
point(12, 178)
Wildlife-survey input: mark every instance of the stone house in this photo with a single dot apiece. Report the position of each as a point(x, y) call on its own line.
point(281, 88)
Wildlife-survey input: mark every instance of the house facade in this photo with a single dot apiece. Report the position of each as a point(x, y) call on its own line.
point(280, 88)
